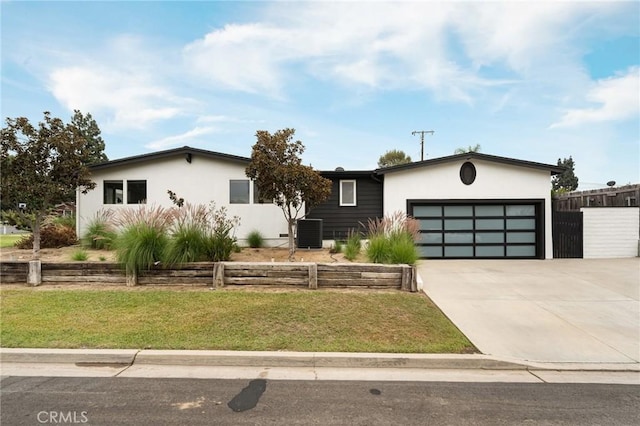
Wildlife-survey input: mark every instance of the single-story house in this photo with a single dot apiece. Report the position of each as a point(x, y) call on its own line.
point(469, 205)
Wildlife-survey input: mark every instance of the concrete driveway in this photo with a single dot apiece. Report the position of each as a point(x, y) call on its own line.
point(561, 310)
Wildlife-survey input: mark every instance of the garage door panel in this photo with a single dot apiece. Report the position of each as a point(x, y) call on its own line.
point(490, 224)
point(490, 251)
point(521, 224)
point(521, 237)
point(453, 211)
point(458, 251)
point(521, 251)
point(430, 224)
point(430, 251)
point(521, 210)
point(427, 211)
point(490, 210)
point(458, 238)
point(489, 237)
point(458, 224)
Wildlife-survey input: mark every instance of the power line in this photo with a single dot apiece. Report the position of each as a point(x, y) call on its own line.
point(422, 132)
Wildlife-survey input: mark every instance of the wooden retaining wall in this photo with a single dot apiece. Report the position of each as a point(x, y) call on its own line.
point(225, 274)
point(196, 274)
point(83, 273)
point(14, 272)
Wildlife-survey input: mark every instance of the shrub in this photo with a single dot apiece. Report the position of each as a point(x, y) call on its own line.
point(354, 244)
point(220, 247)
point(69, 221)
point(255, 239)
point(100, 233)
point(221, 241)
point(19, 220)
point(79, 255)
point(51, 236)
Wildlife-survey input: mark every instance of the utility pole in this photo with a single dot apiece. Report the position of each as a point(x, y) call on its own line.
point(422, 132)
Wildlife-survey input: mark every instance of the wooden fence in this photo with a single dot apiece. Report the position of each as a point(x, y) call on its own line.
point(224, 274)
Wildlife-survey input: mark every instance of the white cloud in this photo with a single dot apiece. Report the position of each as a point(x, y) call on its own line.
point(132, 100)
point(618, 98)
point(381, 46)
point(181, 139)
point(441, 47)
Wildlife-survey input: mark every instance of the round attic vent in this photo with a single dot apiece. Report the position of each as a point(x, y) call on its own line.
point(468, 173)
point(339, 169)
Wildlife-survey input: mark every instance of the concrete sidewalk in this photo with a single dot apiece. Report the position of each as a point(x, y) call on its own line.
point(551, 311)
point(301, 366)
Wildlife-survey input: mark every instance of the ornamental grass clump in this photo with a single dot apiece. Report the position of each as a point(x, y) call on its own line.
point(143, 239)
point(189, 233)
point(392, 239)
point(79, 255)
point(100, 233)
point(255, 239)
point(152, 236)
point(353, 245)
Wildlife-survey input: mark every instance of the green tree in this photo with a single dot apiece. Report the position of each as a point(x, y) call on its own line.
point(463, 150)
point(567, 180)
point(393, 158)
point(280, 176)
point(91, 133)
point(40, 165)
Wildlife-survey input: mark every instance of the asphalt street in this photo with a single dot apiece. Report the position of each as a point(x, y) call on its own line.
point(129, 401)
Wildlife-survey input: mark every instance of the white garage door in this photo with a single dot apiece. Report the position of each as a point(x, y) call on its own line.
point(480, 229)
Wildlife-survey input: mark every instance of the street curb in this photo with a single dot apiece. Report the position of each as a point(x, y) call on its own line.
point(68, 356)
point(254, 359)
point(211, 358)
point(323, 360)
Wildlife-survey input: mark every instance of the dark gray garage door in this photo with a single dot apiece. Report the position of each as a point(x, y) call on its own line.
point(480, 229)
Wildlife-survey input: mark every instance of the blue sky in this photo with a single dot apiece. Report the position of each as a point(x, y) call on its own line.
point(536, 81)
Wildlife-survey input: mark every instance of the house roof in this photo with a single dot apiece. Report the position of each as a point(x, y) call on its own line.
point(470, 156)
point(189, 151)
point(184, 151)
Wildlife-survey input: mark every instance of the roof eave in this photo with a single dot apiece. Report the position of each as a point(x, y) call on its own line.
point(168, 153)
point(473, 155)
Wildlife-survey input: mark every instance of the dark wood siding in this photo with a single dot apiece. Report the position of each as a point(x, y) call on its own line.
point(339, 220)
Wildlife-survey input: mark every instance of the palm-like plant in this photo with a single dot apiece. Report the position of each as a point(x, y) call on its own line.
point(470, 148)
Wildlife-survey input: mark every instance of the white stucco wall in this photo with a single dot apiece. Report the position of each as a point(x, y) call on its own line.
point(610, 232)
point(493, 181)
point(201, 181)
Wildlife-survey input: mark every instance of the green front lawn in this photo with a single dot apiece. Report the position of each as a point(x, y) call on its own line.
point(10, 239)
point(231, 320)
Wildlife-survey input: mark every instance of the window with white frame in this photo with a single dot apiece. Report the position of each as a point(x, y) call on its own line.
point(347, 192)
